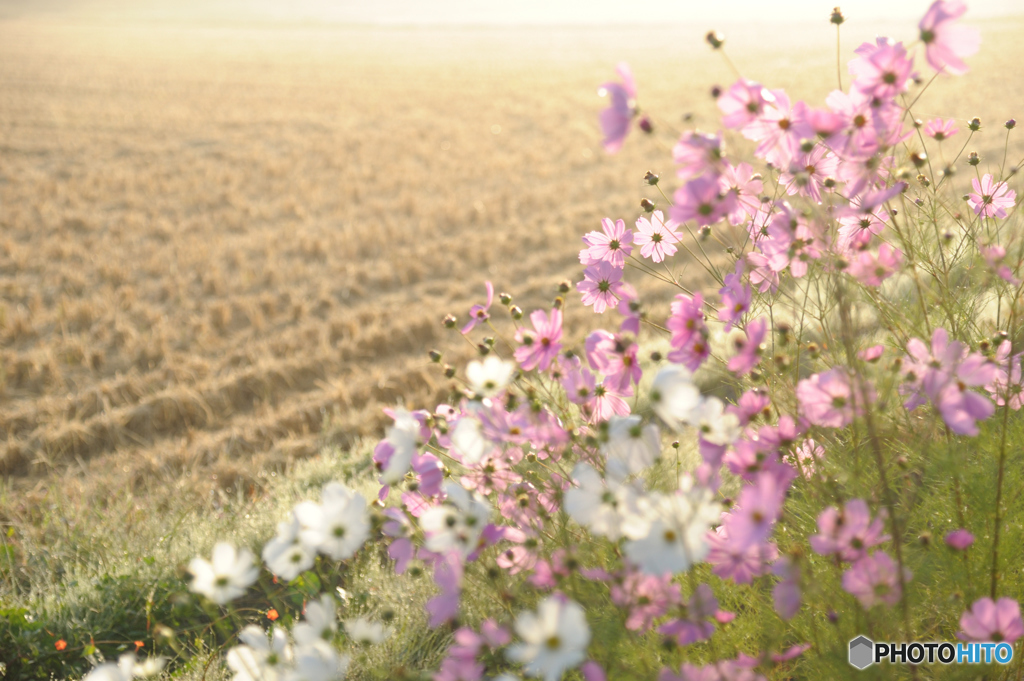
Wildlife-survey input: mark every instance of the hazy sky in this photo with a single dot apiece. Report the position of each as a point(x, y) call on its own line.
point(499, 12)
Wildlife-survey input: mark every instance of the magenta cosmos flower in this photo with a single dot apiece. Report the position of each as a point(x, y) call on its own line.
point(749, 350)
point(541, 346)
point(995, 621)
point(656, 238)
point(480, 313)
point(701, 199)
point(616, 118)
point(946, 43)
point(871, 269)
point(960, 539)
point(990, 198)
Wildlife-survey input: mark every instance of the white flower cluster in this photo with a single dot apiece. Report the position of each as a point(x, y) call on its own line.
point(678, 402)
point(308, 655)
point(127, 668)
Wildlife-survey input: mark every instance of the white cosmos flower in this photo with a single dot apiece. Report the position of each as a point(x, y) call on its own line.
point(607, 510)
point(679, 523)
point(490, 377)
point(554, 639)
point(286, 554)
point(468, 440)
point(362, 630)
point(715, 424)
point(123, 670)
point(225, 578)
point(320, 623)
point(337, 526)
point(403, 436)
point(318, 661)
point(456, 524)
point(631, 446)
point(260, 658)
point(674, 397)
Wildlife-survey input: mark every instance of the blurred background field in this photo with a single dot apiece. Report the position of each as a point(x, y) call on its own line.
point(224, 247)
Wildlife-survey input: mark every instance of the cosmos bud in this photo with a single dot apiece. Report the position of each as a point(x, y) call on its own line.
point(449, 321)
point(837, 17)
point(975, 124)
point(505, 298)
point(1011, 124)
point(650, 178)
point(435, 356)
point(647, 205)
point(973, 159)
point(715, 39)
point(645, 124)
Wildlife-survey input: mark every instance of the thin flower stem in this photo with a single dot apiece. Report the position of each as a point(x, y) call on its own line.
point(839, 58)
point(994, 575)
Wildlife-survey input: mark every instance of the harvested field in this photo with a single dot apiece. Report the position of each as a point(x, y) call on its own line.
point(221, 247)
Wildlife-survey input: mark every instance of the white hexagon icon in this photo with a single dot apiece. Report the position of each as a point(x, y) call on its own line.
point(862, 652)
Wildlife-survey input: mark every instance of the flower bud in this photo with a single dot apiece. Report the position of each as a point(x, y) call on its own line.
point(918, 123)
point(435, 356)
point(715, 39)
point(974, 125)
point(517, 312)
point(812, 350)
point(948, 171)
point(919, 201)
point(449, 321)
point(829, 182)
point(918, 158)
point(650, 178)
point(558, 302)
point(837, 17)
point(449, 371)
point(716, 92)
point(807, 146)
point(645, 124)
point(647, 205)
point(483, 349)
point(973, 159)
point(1011, 124)
point(705, 232)
point(505, 298)
point(655, 356)
point(489, 340)
point(564, 286)
point(923, 179)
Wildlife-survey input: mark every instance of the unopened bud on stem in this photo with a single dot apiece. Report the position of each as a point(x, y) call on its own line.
point(837, 17)
point(715, 39)
point(647, 205)
point(650, 178)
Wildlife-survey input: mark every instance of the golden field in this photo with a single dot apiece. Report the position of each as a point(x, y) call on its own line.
point(223, 247)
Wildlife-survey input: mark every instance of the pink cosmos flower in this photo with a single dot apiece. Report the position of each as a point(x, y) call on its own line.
point(592, 671)
point(996, 621)
point(646, 597)
point(827, 399)
point(939, 129)
point(872, 269)
point(614, 357)
point(697, 153)
point(629, 308)
point(946, 43)
point(882, 69)
point(541, 346)
point(857, 228)
point(848, 534)
point(959, 539)
point(656, 238)
point(743, 188)
point(757, 509)
point(995, 258)
point(448, 576)
point(871, 354)
point(807, 172)
point(990, 198)
point(1007, 383)
point(600, 286)
point(622, 108)
point(701, 200)
point(943, 375)
point(786, 593)
point(697, 625)
point(743, 102)
point(612, 246)
point(687, 319)
point(749, 350)
point(779, 130)
point(733, 560)
point(875, 579)
point(479, 313)
point(735, 297)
